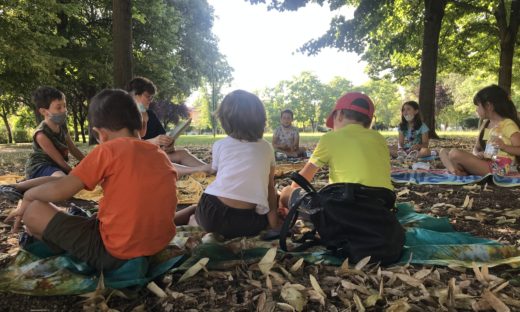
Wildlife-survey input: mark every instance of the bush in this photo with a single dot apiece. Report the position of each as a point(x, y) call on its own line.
point(21, 136)
point(3, 136)
point(470, 123)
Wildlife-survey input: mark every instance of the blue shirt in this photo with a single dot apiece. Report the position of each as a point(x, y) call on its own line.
point(413, 137)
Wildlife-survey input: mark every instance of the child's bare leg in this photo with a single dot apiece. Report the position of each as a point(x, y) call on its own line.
point(37, 216)
point(184, 170)
point(58, 174)
point(27, 184)
point(285, 195)
point(185, 158)
point(467, 163)
point(182, 217)
point(445, 159)
point(424, 152)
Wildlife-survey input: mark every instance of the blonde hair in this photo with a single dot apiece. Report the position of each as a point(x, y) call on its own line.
point(242, 115)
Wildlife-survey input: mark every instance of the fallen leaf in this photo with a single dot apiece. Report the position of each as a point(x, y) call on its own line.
point(494, 302)
point(359, 304)
point(294, 297)
point(156, 290)
point(297, 265)
point(267, 261)
point(316, 286)
point(361, 264)
point(194, 269)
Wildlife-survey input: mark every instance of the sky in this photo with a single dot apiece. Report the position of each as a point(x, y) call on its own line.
point(261, 45)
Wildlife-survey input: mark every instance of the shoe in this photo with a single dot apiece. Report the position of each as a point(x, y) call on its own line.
point(75, 210)
point(25, 239)
point(412, 156)
point(11, 192)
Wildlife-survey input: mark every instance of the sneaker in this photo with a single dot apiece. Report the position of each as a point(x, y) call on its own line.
point(11, 192)
point(75, 210)
point(412, 156)
point(25, 239)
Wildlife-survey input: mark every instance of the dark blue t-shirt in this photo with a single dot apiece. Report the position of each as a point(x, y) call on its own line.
point(153, 127)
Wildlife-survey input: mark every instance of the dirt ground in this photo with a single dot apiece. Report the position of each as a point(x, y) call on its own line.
point(483, 210)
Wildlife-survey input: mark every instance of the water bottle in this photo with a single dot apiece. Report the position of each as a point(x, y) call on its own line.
point(491, 149)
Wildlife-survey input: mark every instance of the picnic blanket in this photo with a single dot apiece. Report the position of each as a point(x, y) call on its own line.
point(442, 176)
point(432, 176)
point(429, 240)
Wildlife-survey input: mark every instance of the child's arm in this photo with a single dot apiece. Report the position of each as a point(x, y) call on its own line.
point(513, 149)
point(53, 190)
point(272, 216)
point(425, 139)
point(296, 143)
point(276, 140)
point(400, 143)
point(308, 172)
point(49, 149)
point(73, 148)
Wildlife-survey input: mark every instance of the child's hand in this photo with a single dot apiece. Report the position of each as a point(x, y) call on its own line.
point(162, 140)
point(498, 142)
point(17, 215)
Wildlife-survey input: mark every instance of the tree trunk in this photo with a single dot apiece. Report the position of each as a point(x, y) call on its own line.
point(434, 12)
point(122, 41)
point(507, 33)
point(7, 126)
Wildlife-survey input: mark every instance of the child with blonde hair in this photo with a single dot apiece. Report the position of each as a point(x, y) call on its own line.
point(242, 199)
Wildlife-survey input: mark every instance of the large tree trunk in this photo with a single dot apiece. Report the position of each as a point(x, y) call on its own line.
point(122, 41)
point(434, 12)
point(507, 33)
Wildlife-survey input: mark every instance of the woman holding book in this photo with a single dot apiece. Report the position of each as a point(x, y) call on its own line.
point(143, 90)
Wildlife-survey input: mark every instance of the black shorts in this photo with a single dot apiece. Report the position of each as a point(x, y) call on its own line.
point(80, 237)
point(214, 216)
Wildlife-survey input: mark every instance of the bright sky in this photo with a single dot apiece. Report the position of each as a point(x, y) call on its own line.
point(261, 45)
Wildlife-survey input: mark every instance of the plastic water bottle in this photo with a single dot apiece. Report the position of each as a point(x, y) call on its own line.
point(491, 149)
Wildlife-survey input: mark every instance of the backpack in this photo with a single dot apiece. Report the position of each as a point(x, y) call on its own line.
point(351, 220)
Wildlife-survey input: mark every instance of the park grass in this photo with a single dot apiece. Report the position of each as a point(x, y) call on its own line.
point(203, 139)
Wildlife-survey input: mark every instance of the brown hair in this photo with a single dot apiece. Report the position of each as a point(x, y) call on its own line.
point(242, 115)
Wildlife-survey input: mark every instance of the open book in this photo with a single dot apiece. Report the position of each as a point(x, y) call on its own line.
point(179, 128)
point(175, 133)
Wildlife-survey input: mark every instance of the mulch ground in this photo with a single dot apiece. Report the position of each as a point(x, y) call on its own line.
point(481, 209)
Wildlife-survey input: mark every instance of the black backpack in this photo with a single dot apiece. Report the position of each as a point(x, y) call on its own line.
point(351, 220)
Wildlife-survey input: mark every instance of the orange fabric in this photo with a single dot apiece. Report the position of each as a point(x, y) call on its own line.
point(139, 186)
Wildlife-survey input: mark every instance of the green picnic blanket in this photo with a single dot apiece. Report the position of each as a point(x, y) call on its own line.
point(429, 240)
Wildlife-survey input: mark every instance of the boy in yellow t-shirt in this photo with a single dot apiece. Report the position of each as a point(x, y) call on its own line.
point(353, 152)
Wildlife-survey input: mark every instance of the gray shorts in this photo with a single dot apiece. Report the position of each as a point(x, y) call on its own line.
point(80, 237)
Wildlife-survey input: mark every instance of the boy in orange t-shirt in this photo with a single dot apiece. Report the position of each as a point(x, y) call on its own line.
point(135, 215)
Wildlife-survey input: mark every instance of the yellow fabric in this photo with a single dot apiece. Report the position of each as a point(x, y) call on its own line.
point(354, 154)
point(10, 179)
point(506, 128)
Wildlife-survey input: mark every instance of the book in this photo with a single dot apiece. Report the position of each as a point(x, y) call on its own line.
point(179, 128)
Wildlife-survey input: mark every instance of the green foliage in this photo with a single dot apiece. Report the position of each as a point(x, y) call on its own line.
point(387, 100)
point(21, 136)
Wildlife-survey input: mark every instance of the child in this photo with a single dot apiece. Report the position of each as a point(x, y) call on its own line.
point(494, 105)
point(353, 152)
point(135, 215)
point(242, 199)
point(286, 138)
point(413, 133)
point(143, 90)
point(51, 140)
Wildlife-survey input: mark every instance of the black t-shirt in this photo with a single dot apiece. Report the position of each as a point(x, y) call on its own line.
point(154, 126)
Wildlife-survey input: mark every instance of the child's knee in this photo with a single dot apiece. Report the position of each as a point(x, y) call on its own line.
point(454, 154)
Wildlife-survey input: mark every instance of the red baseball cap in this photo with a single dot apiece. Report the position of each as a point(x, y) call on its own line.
point(347, 102)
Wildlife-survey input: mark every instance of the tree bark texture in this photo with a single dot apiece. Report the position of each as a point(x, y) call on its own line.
point(508, 33)
point(7, 126)
point(434, 13)
point(122, 41)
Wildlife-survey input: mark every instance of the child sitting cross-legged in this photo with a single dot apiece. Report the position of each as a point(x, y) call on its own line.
point(286, 138)
point(353, 152)
point(135, 216)
point(354, 214)
point(242, 199)
point(51, 140)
